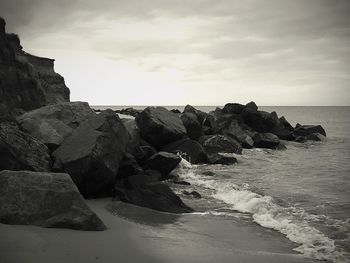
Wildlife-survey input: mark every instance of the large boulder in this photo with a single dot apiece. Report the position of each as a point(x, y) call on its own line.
point(189, 149)
point(159, 126)
point(217, 158)
point(163, 162)
point(220, 144)
point(201, 115)
point(129, 166)
point(192, 125)
point(44, 199)
point(233, 108)
point(244, 137)
point(21, 151)
point(134, 138)
point(91, 155)
point(27, 82)
point(304, 130)
point(143, 190)
point(53, 123)
point(266, 140)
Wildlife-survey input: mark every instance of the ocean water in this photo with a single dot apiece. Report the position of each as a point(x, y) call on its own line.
point(302, 192)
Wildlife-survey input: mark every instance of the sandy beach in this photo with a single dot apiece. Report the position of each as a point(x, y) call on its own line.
point(137, 234)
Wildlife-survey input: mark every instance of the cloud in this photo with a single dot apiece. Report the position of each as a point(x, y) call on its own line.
point(256, 49)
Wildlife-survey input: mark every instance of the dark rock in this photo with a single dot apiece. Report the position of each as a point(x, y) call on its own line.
point(201, 115)
point(266, 140)
point(208, 124)
point(143, 153)
point(44, 199)
point(220, 143)
point(233, 108)
point(280, 147)
point(129, 111)
point(27, 82)
point(181, 182)
point(251, 106)
point(192, 125)
point(304, 130)
point(260, 121)
point(144, 191)
point(244, 137)
point(158, 126)
point(221, 159)
point(195, 194)
point(316, 137)
point(300, 139)
point(176, 111)
point(129, 166)
point(163, 162)
point(154, 175)
point(286, 124)
point(282, 133)
point(134, 139)
point(91, 155)
point(20, 151)
point(189, 149)
point(53, 123)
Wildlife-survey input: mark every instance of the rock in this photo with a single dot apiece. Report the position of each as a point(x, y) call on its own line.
point(221, 159)
point(27, 82)
point(304, 130)
point(20, 151)
point(208, 124)
point(201, 115)
point(53, 123)
point(144, 191)
point(192, 125)
point(233, 108)
point(316, 137)
point(266, 140)
point(163, 162)
point(195, 194)
point(176, 111)
point(251, 106)
point(260, 121)
point(129, 166)
point(44, 199)
point(154, 175)
point(129, 111)
point(143, 153)
point(181, 182)
point(134, 139)
point(220, 144)
point(189, 149)
point(91, 155)
point(235, 131)
point(158, 126)
point(286, 124)
point(300, 139)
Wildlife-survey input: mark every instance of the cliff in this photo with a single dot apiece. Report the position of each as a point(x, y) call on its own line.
point(26, 82)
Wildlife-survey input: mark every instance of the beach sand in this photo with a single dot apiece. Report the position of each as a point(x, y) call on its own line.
point(137, 234)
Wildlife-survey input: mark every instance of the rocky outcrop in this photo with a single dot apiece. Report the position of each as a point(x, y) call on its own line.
point(192, 125)
point(134, 138)
point(159, 126)
point(44, 199)
point(220, 144)
point(163, 162)
point(26, 82)
point(20, 151)
point(189, 149)
point(266, 140)
point(304, 130)
point(142, 190)
point(91, 155)
point(53, 123)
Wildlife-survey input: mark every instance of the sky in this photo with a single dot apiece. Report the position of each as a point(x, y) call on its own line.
point(199, 52)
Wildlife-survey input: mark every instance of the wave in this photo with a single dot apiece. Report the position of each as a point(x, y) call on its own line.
point(289, 221)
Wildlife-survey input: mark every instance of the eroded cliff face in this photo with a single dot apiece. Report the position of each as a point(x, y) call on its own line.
point(26, 82)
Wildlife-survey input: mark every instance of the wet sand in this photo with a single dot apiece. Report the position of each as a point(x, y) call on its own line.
point(141, 235)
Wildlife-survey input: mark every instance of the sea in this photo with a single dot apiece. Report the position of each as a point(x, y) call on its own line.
point(302, 193)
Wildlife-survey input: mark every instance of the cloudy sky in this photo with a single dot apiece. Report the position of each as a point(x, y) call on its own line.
point(202, 52)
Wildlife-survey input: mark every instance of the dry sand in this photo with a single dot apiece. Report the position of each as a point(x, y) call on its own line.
point(143, 235)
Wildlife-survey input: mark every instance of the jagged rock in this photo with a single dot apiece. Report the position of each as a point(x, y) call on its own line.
point(91, 155)
point(286, 124)
point(53, 123)
point(260, 121)
point(266, 140)
point(129, 111)
point(244, 137)
point(195, 194)
point(221, 159)
point(189, 149)
point(163, 162)
point(304, 130)
point(154, 175)
point(158, 126)
point(208, 124)
point(251, 106)
point(233, 108)
point(44, 199)
point(220, 144)
point(20, 151)
point(129, 166)
point(300, 139)
point(316, 137)
point(176, 111)
point(144, 191)
point(27, 81)
point(143, 153)
point(201, 115)
point(192, 125)
point(134, 138)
